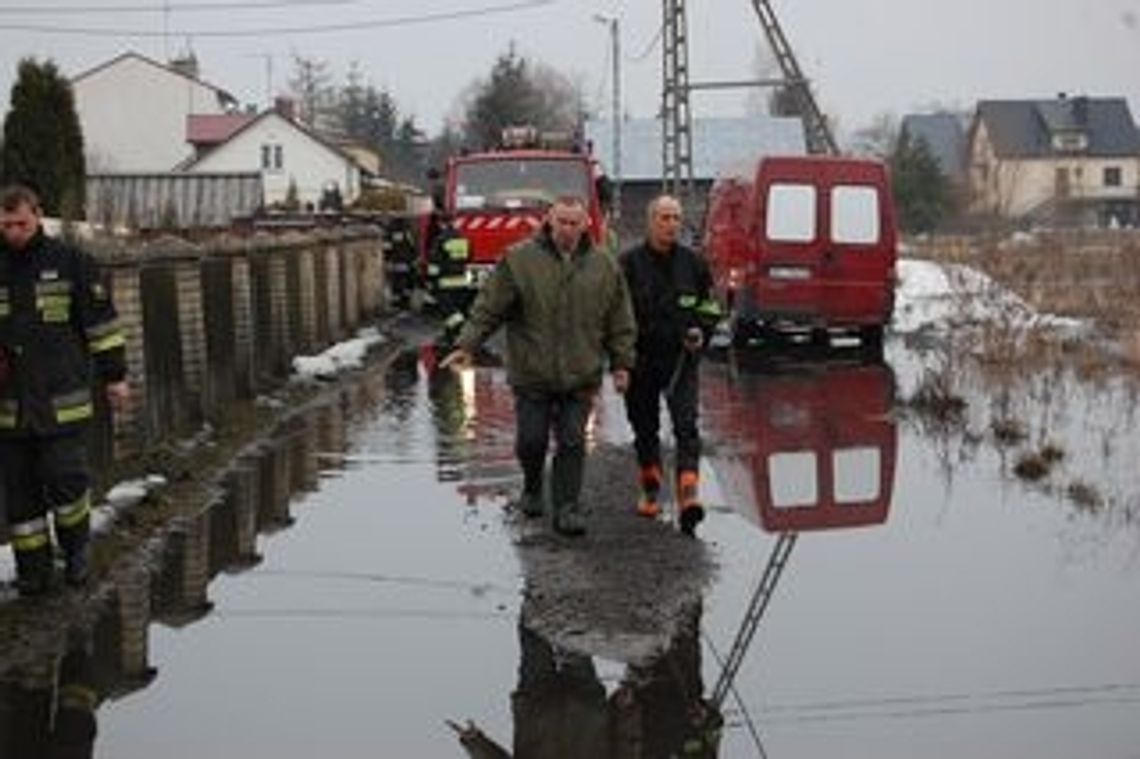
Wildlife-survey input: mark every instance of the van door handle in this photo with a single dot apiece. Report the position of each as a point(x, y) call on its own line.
point(828, 257)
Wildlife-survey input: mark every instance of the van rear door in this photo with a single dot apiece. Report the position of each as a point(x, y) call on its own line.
point(826, 242)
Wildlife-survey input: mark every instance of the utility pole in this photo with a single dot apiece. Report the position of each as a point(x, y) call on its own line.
point(615, 41)
point(676, 119)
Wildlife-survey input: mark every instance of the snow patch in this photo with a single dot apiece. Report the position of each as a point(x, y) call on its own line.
point(341, 357)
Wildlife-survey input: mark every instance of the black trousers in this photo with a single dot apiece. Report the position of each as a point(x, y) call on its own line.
point(536, 414)
point(43, 474)
point(651, 379)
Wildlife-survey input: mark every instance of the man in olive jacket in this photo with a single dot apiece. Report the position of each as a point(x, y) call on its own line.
point(567, 312)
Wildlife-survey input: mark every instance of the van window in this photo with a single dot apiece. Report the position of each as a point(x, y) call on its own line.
point(856, 472)
point(792, 479)
point(855, 214)
point(791, 213)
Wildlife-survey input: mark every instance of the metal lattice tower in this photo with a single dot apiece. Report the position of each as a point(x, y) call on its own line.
point(817, 131)
point(676, 120)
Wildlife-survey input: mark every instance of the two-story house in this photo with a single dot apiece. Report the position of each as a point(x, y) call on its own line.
point(1072, 160)
point(133, 112)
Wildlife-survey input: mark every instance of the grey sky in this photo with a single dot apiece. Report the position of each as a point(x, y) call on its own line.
point(865, 56)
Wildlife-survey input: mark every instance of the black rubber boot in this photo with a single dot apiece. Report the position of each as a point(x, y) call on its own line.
point(570, 519)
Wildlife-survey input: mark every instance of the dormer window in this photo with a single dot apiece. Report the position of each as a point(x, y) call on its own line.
point(1070, 142)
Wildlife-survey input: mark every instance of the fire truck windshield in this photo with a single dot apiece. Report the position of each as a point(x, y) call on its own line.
point(519, 183)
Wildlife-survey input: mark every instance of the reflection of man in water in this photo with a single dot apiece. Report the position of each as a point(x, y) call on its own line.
point(51, 713)
point(561, 710)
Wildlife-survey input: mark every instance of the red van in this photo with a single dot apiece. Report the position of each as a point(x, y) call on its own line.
point(805, 449)
point(812, 249)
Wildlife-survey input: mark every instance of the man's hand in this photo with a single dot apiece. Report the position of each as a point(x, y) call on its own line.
point(621, 380)
point(694, 339)
point(119, 395)
point(458, 359)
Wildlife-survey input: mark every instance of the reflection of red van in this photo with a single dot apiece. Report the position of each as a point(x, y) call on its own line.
point(816, 246)
point(805, 450)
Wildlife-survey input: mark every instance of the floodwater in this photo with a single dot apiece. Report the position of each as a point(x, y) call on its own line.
point(359, 586)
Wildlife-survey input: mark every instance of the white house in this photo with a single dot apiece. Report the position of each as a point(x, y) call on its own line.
point(286, 153)
point(1068, 160)
point(133, 112)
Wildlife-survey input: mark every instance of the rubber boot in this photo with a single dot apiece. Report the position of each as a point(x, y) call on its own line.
point(74, 542)
point(530, 504)
point(691, 511)
point(570, 519)
point(649, 478)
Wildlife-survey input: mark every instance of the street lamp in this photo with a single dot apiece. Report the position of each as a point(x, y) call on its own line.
point(615, 39)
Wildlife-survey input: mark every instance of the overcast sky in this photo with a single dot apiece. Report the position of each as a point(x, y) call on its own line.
point(865, 57)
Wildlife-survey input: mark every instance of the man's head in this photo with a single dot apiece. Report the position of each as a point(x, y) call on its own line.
point(568, 222)
point(19, 216)
point(664, 222)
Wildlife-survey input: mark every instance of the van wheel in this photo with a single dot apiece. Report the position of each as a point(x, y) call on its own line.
point(871, 339)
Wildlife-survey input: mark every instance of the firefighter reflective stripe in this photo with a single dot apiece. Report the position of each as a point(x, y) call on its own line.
point(31, 535)
point(54, 308)
point(706, 307)
point(71, 514)
point(457, 248)
point(459, 280)
point(105, 337)
point(79, 698)
point(433, 269)
point(5, 302)
point(73, 407)
point(710, 308)
point(453, 321)
point(53, 287)
point(9, 411)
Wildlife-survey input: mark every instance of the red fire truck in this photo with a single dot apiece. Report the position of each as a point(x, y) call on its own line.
point(499, 197)
point(808, 243)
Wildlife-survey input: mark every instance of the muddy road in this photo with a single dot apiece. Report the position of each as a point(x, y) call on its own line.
point(909, 591)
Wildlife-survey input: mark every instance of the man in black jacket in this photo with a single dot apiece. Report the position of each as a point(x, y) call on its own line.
point(57, 324)
point(675, 312)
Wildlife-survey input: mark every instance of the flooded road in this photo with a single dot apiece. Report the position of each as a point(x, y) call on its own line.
point(360, 584)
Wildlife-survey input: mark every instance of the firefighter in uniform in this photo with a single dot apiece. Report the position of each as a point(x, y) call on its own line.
point(57, 323)
point(672, 302)
point(447, 270)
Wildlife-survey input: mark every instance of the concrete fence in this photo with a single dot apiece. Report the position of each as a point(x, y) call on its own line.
point(214, 324)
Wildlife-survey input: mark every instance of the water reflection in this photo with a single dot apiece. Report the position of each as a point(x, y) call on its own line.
point(49, 701)
point(561, 707)
point(804, 448)
point(52, 685)
point(801, 449)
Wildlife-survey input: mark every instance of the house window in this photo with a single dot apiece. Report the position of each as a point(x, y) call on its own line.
point(1070, 141)
point(1112, 176)
point(272, 157)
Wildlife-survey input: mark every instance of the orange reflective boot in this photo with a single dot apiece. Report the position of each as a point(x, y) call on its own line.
point(649, 478)
point(691, 511)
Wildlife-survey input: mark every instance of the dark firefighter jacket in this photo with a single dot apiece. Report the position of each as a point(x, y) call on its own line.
point(447, 259)
point(564, 318)
point(671, 292)
point(57, 323)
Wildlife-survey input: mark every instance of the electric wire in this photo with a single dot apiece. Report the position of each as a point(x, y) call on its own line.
point(225, 5)
point(395, 21)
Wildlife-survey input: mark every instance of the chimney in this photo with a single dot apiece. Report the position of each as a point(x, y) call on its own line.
point(285, 107)
point(187, 65)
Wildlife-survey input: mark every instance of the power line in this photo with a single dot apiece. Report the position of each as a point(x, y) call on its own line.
point(226, 5)
point(649, 47)
point(427, 18)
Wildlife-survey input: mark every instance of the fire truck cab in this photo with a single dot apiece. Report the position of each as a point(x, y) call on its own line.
point(498, 197)
point(807, 243)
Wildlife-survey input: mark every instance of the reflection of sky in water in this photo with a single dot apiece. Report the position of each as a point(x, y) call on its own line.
point(984, 617)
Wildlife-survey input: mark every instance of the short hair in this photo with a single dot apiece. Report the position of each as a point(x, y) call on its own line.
point(16, 195)
point(570, 200)
point(656, 203)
